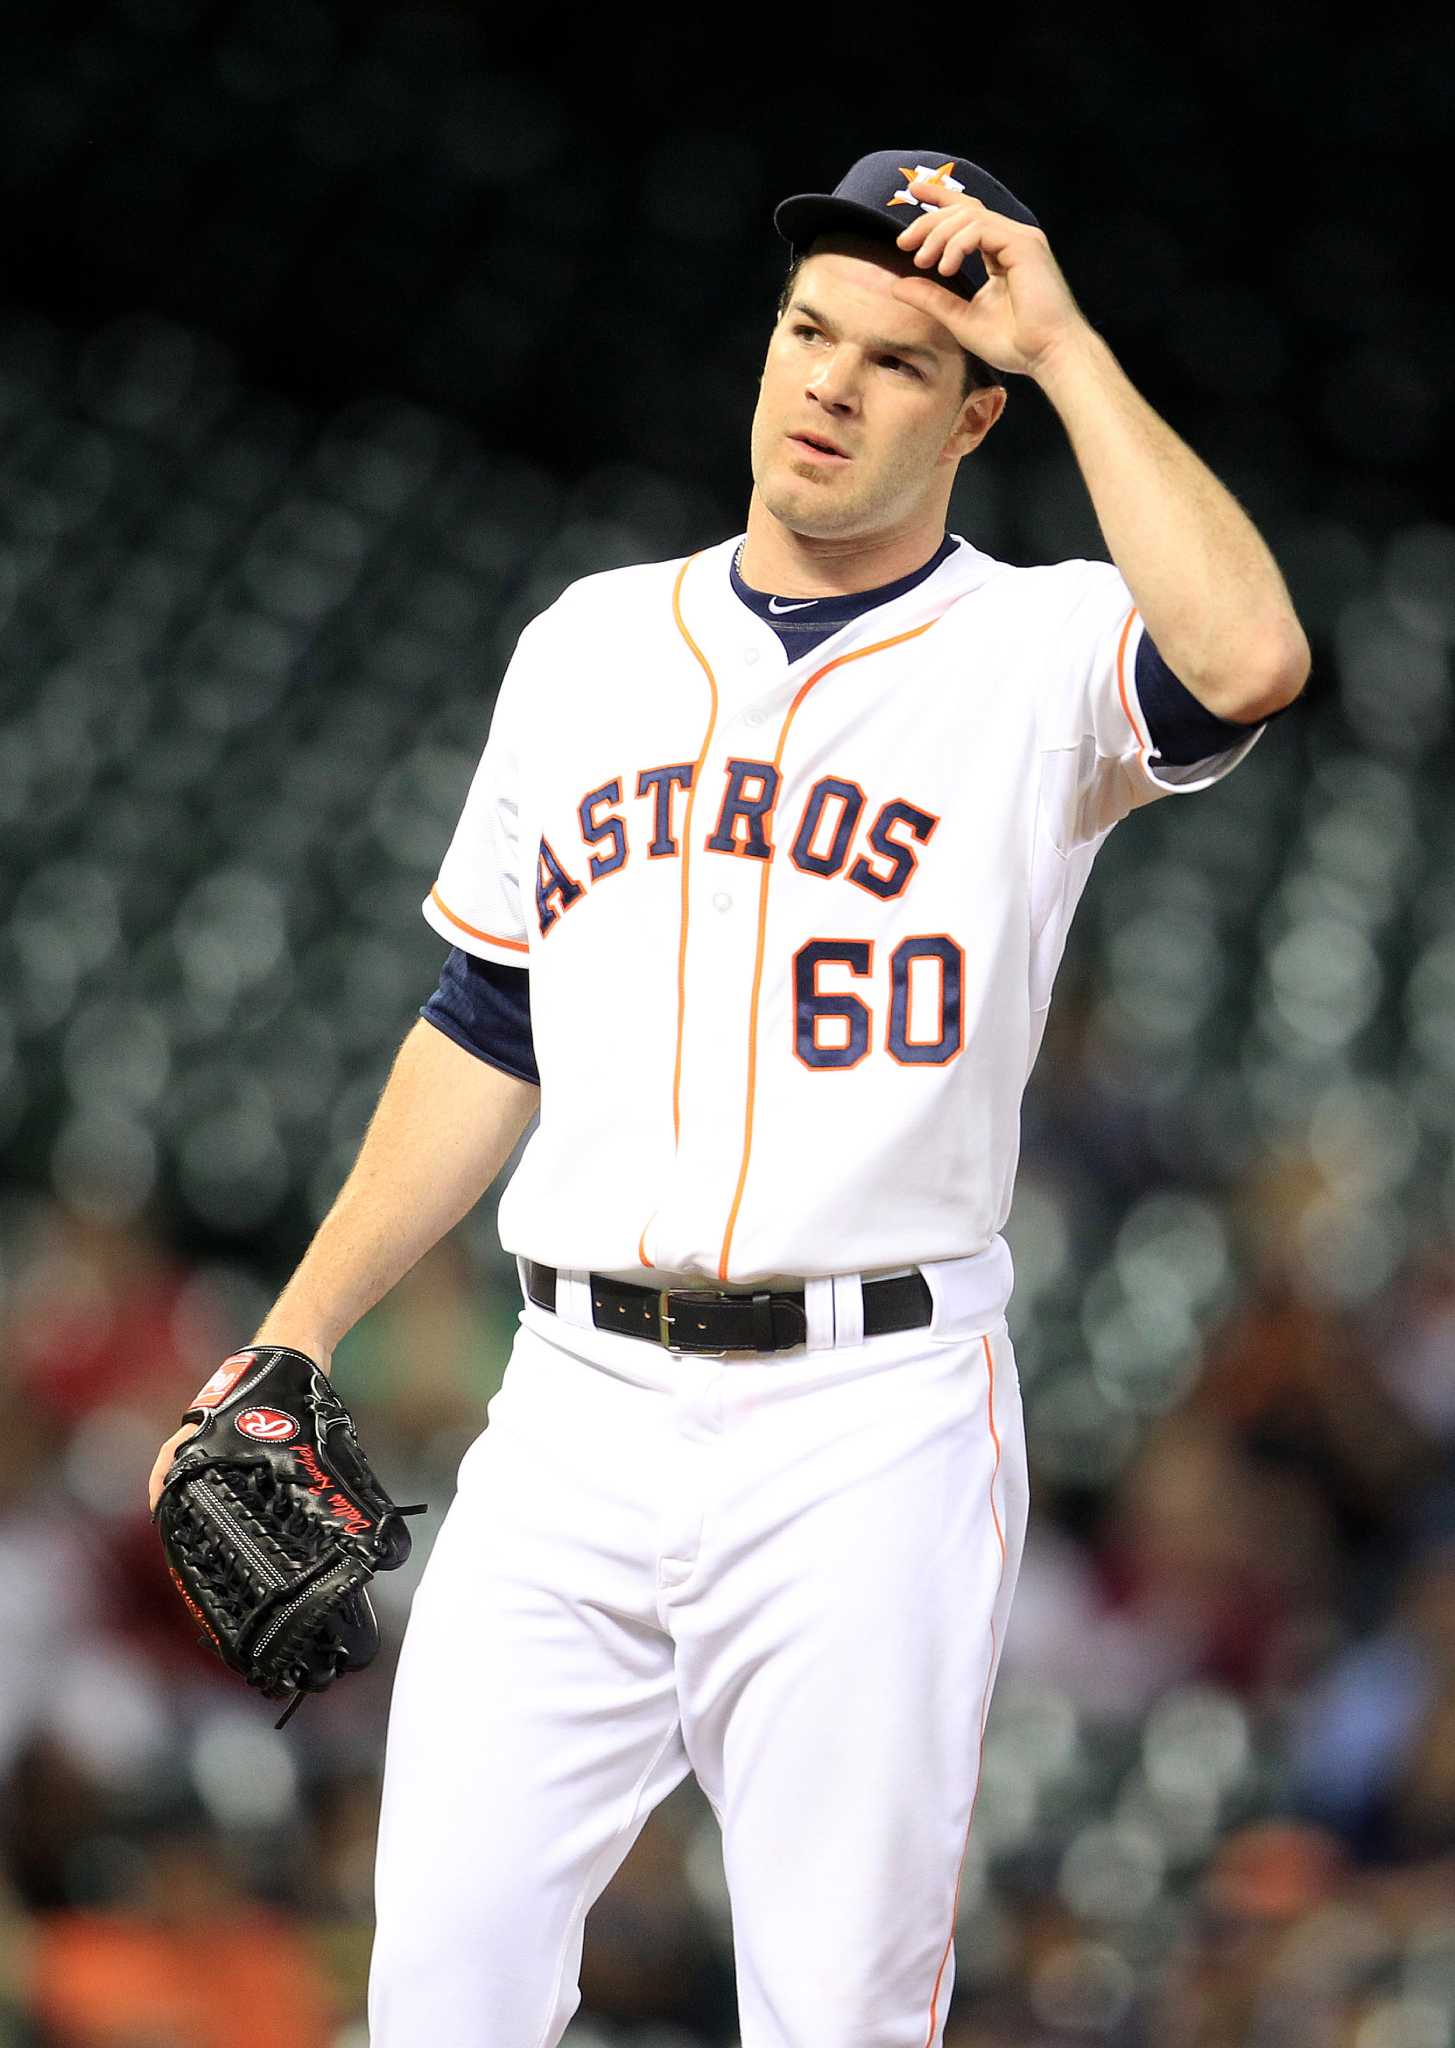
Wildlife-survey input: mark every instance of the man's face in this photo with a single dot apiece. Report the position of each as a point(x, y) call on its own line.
point(861, 413)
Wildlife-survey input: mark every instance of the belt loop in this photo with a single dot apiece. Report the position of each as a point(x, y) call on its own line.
point(818, 1309)
point(573, 1298)
point(848, 1308)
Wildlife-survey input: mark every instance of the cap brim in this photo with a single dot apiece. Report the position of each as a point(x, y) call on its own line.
point(808, 214)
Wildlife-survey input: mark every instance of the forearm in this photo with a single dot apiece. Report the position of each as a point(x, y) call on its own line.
point(1208, 589)
point(443, 1128)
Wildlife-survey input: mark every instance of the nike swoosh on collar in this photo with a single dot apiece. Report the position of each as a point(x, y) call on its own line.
point(802, 605)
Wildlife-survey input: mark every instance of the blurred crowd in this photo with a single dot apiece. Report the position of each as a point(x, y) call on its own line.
point(302, 415)
point(248, 657)
point(1218, 1801)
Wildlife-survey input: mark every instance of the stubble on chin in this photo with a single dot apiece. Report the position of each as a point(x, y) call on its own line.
point(807, 506)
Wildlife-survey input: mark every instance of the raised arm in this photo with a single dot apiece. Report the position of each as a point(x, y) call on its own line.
point(1207, 587)
point(443, 1128)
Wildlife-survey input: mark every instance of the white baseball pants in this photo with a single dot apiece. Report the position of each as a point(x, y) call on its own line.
point(790, 1575)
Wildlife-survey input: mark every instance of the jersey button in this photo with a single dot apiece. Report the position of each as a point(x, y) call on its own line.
point(750, 655)
point(722, 900)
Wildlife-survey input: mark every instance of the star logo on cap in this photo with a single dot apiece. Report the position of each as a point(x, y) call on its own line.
point(923, 173)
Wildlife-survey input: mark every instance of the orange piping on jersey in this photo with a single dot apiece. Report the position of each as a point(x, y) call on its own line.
point(818, 675)
point(1144, 745)
point(512, 945)
point(984, 1697)
point(687, 840)
point(686, 866)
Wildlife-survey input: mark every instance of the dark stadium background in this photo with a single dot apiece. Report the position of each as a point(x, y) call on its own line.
point(334, 340)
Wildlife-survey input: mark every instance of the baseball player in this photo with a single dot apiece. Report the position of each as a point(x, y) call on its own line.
point(757, 898)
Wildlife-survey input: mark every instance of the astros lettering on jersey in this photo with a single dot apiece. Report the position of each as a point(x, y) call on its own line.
point(792, 925)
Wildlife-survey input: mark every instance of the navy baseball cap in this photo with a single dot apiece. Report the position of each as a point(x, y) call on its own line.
point(873, 199)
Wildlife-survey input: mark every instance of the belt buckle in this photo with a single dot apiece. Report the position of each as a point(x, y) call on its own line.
point(665, 1320)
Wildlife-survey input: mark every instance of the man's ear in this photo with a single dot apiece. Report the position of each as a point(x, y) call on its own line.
point(981, 409)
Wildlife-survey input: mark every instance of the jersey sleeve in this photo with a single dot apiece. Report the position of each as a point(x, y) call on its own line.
point(1100, 757)
point(478, 901)
point(485, 1008)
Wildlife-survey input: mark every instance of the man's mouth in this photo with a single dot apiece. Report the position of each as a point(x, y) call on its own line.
point(822, 446)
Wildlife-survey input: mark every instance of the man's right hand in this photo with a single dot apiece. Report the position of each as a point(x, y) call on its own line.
point(319, 1353)
point(164, 1463)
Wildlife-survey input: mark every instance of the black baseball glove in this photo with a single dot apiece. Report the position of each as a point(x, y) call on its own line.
point(273, 1525)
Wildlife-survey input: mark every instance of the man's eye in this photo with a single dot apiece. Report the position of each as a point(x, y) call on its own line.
point(898, 363)
point(804, 329)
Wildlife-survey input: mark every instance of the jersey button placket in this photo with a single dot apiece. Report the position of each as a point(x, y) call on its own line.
point(717, 988)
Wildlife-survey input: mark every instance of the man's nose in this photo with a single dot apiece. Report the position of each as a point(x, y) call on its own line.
point(835, 386)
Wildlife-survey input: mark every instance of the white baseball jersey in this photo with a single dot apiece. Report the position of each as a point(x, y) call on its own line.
point(792, 925)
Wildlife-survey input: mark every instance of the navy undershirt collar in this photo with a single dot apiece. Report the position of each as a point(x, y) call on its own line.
point(802, 622)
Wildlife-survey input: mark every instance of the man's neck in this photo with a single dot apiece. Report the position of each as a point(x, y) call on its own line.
point(774, 558)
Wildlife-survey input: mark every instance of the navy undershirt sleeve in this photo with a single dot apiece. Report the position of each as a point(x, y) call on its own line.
point(1181, 729)
point(486, 1009)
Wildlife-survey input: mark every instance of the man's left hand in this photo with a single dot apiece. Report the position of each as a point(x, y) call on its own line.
point(1023, 315)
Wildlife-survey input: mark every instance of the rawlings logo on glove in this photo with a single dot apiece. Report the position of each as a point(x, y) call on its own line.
point(273, 1524)
point(268, 1425)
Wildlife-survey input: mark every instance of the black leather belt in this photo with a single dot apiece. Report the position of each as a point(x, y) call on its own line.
point(693, 1320)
